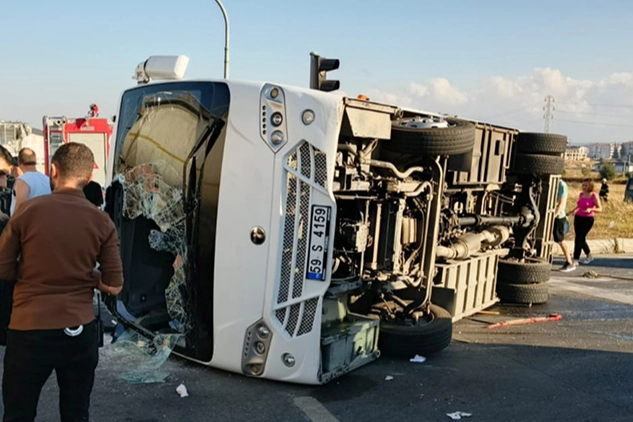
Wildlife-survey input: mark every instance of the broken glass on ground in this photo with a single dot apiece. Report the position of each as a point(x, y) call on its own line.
point(139, 360)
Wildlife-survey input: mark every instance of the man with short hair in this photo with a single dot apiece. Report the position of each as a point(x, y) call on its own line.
point(59, 239)
point(31, 183)
point(560, 220)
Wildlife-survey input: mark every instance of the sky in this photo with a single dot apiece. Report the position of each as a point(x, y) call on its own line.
point(488, 60)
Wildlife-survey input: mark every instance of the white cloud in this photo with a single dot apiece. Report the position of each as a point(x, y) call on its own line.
point(444, 92)
point(585, 110)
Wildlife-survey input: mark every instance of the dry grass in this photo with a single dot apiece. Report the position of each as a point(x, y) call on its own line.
point(615, 210)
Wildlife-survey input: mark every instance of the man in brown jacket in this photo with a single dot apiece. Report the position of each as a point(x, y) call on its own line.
point(51, 246)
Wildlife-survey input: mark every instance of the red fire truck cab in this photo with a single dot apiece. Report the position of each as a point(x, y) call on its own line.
point(91, 130)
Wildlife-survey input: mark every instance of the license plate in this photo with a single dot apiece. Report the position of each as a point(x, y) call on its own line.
point(319, 239)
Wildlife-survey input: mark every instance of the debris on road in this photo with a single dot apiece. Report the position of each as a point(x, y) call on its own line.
point(388, 378)
point(552, 317)
point(138, 360)
point(489, 313)
point(593, 274)
point(417, 359)
point(182, 390)
point(458, 415)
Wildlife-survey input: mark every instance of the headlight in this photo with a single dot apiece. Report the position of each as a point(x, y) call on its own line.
point(276, 119)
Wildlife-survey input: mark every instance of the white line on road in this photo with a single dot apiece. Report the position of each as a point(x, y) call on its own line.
point(314, 410)
point(616, 296)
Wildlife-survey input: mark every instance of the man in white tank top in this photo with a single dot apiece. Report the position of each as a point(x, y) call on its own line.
point(31, 182)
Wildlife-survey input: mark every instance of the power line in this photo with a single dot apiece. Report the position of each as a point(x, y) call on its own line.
point(593, 123)
point(594, 114)
point(601, 105)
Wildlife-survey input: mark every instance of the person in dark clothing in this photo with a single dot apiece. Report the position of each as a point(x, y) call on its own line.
point(6, 286)
point(53, 325)
point(604, 190)
point(94, 193)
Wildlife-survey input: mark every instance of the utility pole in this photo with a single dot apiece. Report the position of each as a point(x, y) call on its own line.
point(549, 111)
point(226, 39)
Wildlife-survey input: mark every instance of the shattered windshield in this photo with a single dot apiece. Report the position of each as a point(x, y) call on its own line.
point(168, 157)
point(161, 123)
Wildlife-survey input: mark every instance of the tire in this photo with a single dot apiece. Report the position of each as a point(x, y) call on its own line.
point(538, 164)
point(459, 138)
point(541, 143)
point(523, 293)
point(407, 341)
point(532, 271)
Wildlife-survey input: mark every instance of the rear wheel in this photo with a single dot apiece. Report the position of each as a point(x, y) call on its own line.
point(530, 271)
point(541, 143)
point(458, 137)
point(523, 293)
point(538, 164)
point(429, 335)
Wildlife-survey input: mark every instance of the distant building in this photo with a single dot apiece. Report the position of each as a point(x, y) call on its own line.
point(576, 153)
point(624, 167)
point(601, 151)
point(627, 149)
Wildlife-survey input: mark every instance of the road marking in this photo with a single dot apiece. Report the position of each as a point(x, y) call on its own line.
point(314, 410)
point(613, 295)
point(618, 336)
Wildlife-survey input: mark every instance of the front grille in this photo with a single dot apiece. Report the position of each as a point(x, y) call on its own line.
point(302, 243)
point(306, 159)
point(306, 167)
point(309, 312)
point(320, 163)
point(293, 318)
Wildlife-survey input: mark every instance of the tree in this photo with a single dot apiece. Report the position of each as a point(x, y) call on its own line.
point(608, 171)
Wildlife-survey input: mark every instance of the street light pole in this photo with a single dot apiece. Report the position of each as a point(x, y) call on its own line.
point(226, 39)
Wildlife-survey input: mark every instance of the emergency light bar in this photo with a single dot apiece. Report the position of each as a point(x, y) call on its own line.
point(161, 67)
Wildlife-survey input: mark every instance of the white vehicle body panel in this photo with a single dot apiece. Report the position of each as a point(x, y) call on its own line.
point(253, 198)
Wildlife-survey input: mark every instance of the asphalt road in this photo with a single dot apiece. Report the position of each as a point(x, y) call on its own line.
point(577, 369)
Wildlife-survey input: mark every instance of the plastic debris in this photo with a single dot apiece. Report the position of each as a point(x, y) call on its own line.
point(417, 359)
point(552, 317)
point(489, 313)
point(139, 360)
point(182, 390)
point(388, 378)
point(458, 415)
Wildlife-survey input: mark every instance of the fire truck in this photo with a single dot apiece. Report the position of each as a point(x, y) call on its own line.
point(90, 130)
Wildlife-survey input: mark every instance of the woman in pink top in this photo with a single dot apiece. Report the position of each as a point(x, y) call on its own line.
point(588, 204)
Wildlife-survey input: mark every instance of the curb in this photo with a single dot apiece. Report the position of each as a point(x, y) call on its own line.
point(600, 246)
